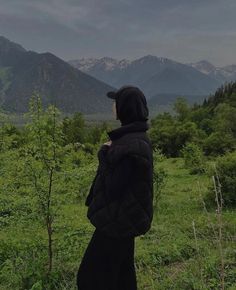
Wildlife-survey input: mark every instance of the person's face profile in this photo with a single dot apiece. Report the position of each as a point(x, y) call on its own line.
point(114, 108)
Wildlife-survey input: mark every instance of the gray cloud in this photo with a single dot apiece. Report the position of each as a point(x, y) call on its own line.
point(184, 30)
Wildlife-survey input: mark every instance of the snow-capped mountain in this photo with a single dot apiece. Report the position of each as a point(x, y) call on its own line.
point(204, 66)
point(106, 63)
point(154, 75)
point(222, 74)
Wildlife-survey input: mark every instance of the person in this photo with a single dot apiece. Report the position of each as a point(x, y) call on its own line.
point(120, 199)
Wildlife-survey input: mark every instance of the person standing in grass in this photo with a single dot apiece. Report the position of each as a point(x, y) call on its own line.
point(120, 199)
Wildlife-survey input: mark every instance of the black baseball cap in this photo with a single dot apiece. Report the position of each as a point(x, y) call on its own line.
point(115, 94)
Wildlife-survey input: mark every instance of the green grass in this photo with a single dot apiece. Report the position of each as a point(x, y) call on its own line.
point(170, 252)
point(167, 257)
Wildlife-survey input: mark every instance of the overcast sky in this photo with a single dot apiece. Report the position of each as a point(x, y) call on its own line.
point(183, 30)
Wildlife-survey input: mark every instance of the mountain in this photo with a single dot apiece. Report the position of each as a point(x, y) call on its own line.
point(22, 72)
point(204, 66)
point(229, 72)
point(222, 74)
point(10, 52)
point(154, 75)
point(105, 63)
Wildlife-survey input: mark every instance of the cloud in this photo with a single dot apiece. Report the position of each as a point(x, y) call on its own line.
point(184, 29)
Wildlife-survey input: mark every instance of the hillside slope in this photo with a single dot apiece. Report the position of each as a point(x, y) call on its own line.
point(24, 72)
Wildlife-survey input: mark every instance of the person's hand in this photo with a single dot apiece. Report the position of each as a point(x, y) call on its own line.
point(108, 143)
point(102, 154)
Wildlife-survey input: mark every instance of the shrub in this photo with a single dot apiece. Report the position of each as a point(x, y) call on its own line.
point(218, 143)
point(193, 158)
point(225, 169)
point(159, 176)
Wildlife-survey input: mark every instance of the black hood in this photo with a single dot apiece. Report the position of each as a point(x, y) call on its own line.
point(131, 105)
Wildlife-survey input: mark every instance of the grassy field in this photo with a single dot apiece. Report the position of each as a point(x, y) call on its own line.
point(181, 251)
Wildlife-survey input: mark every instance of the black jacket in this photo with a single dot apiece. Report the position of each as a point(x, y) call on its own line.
point(120, 200)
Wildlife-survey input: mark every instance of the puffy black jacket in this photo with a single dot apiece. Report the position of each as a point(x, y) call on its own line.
point(120, 200)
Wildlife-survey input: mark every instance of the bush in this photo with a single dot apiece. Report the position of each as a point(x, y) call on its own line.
point(159, 176)
point(193, 158)
point(225, 169)
point(218, 143)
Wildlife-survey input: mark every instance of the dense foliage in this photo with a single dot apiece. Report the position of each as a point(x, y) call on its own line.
point(212, 125)
point(225, 171)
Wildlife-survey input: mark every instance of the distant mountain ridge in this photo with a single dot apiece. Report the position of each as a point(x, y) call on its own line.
point(107, 63)
point(81, 85)
point(155, 75)
point(22, 72)
point(222, 74)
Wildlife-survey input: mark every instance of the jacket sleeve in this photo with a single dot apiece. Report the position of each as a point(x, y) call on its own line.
point(102, 157)
point(90, 194)
point(102, 164)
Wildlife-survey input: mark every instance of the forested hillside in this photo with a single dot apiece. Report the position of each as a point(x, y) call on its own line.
point(211, 126)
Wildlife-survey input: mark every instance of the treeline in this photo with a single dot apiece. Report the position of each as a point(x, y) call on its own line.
point(74, 131)
point(211, 126)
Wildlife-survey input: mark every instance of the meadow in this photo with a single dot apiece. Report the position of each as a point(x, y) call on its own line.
point(47, 167)
point(181, 251)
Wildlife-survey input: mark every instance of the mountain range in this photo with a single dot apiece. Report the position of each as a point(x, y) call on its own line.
point(161, 79)
point(24, 72)
point(116, 72)
point(81, 85)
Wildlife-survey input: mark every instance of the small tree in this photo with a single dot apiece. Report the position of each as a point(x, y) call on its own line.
point(181, 108)
point(193, 158)
point(43, 156)
point(74, 129)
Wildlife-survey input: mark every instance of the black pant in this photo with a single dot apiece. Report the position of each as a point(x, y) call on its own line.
point(108, 264)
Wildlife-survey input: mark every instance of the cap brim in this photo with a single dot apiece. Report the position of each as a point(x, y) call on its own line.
point(111, 95)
